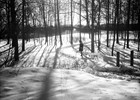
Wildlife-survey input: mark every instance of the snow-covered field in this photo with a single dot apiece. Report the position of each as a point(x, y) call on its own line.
point(54, 72)
point(34, 83)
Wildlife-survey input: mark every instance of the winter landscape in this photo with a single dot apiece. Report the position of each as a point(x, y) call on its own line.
point(69, 50)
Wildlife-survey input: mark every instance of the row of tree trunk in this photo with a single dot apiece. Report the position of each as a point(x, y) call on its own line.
point(111, 17)
point(116, 18)
point(14, 31)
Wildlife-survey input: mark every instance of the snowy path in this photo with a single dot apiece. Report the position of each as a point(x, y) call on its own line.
point(61, 84)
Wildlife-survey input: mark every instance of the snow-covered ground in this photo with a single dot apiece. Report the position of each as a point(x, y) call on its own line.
point(91, 77)
point(34, 83)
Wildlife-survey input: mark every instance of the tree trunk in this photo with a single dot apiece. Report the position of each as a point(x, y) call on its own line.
point(23, 33)
point(117, 18)
point(44, 20)
point(55, 23)
point(58, 21)
point(113, 43)
point(125, 39)
point(8, 21)
point(87, 16)
point(139, 41)
point(128, 22)
point(139, 25)
point(80, 19)
point(92, 33)
point(114, 32)
point(99, 32)
point(15, 38)
point(108, 23)
point(34, 28)
point(71, 24)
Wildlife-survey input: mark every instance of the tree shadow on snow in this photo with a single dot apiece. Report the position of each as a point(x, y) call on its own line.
point(46, 85)
point(29, 50)
point(47, 56)
point(56, 57)
point(109, 60)
point(45, 93)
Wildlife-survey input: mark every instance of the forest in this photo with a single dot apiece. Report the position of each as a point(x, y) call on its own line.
point(59, 42)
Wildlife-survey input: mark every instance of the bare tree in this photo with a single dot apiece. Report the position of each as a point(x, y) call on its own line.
point(8, 20)
point(55, 22)
point(87, 15)
point(23, 33)
point(139, 25)
point(108, 3)
point(80, 18)
point(114, 32)
point(44, 20)
point(128, 22)
point(99, 31)
point(117, 19)
point(71, 22)
point(58, 21)
point(92, 33)
point(14, 33)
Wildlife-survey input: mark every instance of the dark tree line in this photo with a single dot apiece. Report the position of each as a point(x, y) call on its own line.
point(117, 17)
point(120, 17)
point(19, 17)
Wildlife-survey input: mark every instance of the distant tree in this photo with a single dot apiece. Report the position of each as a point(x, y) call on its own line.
point(99, 30)
point(80, 3)
point(114, 35)
point(87, 14)
point(139, 25)
point(55, 22)
point(117, 19)
point(8, 20)
point(58, 21)
point(128, 21)
point(23, 18)
point(71, 22)
point(108, 6)
point(92, 32)
point(44, 14)
point(121, 17)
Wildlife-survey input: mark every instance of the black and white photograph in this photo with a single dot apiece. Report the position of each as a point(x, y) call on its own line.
point(69, 49)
